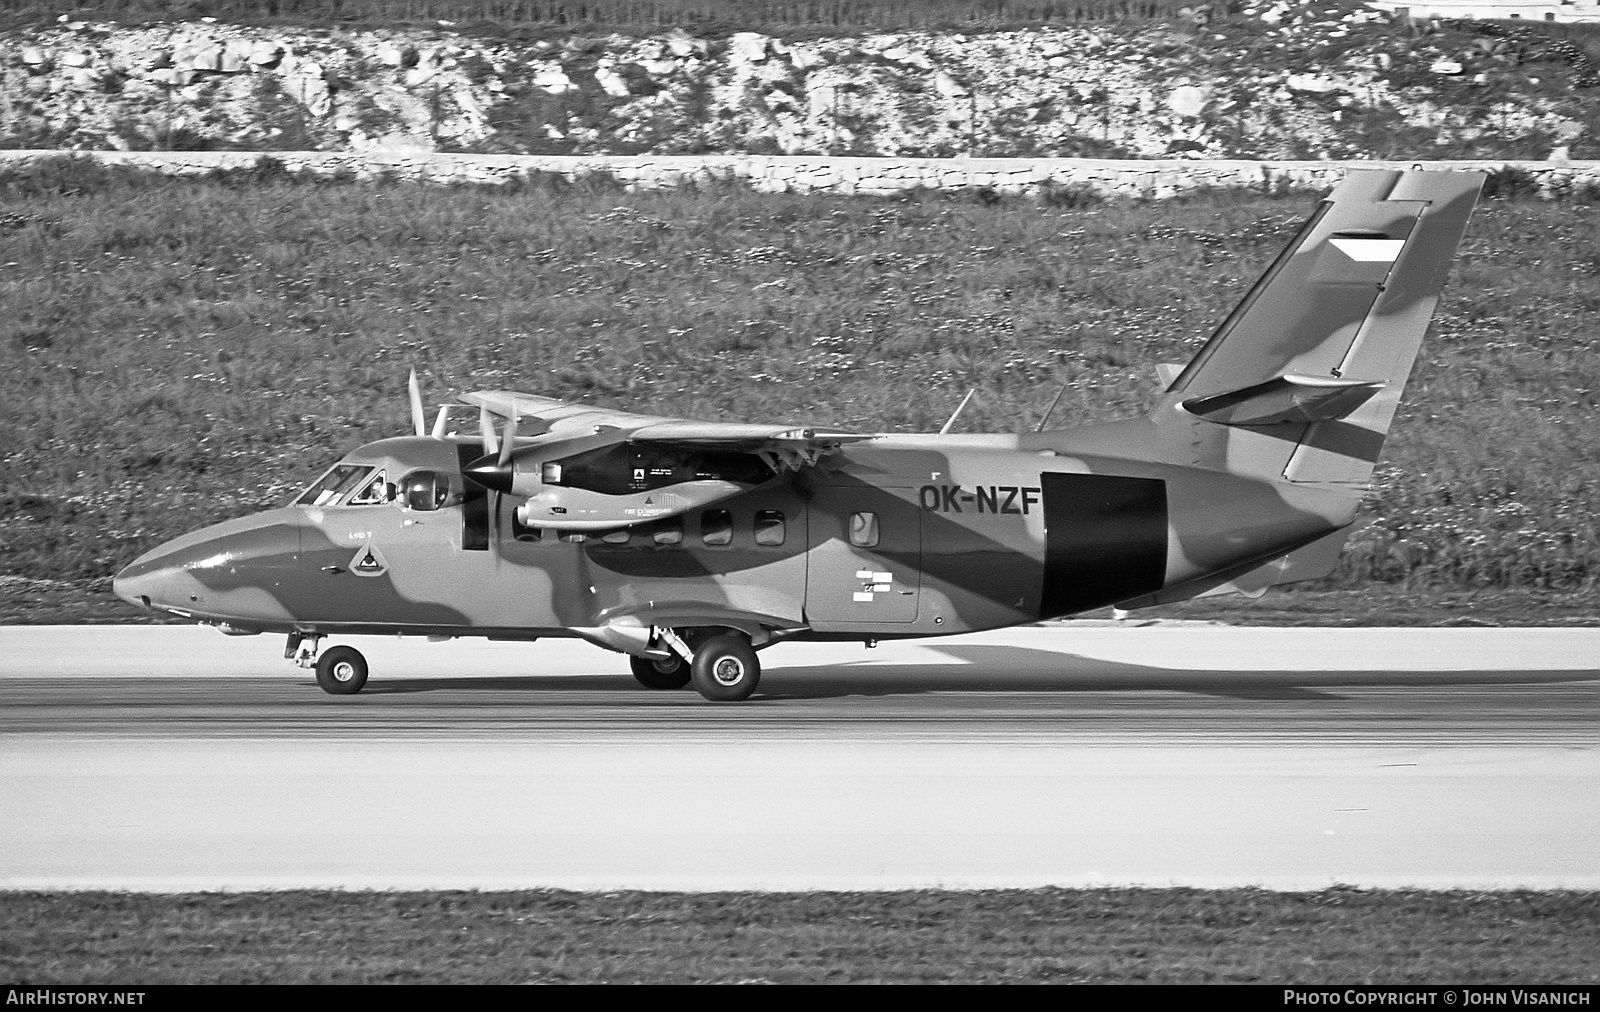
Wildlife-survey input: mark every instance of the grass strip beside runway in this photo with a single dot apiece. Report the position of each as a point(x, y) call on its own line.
point(1338, 935)
point(185, 351)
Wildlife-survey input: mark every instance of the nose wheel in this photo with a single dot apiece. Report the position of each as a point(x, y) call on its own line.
point(341, 671)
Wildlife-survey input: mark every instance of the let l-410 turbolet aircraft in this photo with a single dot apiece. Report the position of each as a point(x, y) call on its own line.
point(691, 545)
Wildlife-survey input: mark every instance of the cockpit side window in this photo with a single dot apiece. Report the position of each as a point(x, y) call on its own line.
point(331, 487)
point(427, 491)
point(373, 492)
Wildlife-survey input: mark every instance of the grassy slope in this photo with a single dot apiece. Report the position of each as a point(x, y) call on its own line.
point(526, 16)
point(1041, 936)
point(180, 352)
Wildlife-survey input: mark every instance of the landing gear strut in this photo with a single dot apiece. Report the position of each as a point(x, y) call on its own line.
point(341, 671)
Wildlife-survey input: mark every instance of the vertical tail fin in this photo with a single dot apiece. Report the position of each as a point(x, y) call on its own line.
point(1302, 380)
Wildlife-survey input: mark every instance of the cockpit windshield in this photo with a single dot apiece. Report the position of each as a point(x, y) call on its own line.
point(340, 480)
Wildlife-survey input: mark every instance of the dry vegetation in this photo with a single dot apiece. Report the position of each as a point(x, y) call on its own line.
point(510, 15)
point(1041, 936)
point(183, 351)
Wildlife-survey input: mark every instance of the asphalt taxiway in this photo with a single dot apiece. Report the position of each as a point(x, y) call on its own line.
point(172, 758)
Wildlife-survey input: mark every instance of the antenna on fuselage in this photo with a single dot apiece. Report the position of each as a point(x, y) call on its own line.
point(1052, 408)
point(957, 412)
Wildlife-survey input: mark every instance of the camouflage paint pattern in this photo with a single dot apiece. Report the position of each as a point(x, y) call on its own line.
point(1245, 473)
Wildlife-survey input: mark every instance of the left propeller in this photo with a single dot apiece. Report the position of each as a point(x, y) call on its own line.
point(490, 471)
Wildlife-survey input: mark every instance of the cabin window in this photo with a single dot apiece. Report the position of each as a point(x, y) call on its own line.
point(769, 528)
point(668, 531)
point(864, 530)
point(373, 492)
point(340, 480)
point(617, 537)
point(426, 491)
point(716, 527)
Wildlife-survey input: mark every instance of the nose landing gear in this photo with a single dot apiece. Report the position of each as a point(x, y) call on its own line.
point(341, 671)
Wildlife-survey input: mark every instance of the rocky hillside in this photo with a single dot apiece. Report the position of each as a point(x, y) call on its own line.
point(1273, 80)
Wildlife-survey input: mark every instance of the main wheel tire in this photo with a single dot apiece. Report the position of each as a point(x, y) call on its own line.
point(725, 668)
point(341, 671)
point(672, 673)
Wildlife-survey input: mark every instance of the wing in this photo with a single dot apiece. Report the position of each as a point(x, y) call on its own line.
point(783, 448)
point(540, 415)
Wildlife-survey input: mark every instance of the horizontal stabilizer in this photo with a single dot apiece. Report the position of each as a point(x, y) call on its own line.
point(1290, 398)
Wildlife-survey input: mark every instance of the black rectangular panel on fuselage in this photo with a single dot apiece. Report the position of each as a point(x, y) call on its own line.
point(1105, 540)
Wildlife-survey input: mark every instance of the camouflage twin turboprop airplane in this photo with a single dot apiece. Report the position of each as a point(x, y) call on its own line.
point(691, 545)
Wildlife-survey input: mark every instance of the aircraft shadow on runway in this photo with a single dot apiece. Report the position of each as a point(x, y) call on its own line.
point(1006, 669)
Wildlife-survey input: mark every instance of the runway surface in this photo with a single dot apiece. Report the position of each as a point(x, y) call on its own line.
point(173, 758)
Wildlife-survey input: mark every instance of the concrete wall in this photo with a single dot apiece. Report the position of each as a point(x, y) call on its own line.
point(801, 173)
point(1569, 11)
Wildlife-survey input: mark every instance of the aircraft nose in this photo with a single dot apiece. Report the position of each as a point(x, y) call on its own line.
point(140, 583)
point(205, 572)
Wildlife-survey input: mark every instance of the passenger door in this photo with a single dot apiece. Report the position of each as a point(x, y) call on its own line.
point(865, 552)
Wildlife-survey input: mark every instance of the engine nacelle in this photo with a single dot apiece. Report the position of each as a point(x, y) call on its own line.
point(577, 509)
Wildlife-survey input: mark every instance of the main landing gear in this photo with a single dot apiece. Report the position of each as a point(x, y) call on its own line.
point(341, 671)
point(672, 673)
point(721, 664)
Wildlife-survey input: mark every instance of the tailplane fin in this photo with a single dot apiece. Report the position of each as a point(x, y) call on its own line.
point(1302, 380)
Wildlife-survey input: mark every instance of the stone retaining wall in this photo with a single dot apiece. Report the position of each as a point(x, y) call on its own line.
point(799, 173)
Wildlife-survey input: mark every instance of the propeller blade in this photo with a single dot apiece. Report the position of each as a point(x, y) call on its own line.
point(438, 423)
point(491, 440)
point(417, 421)
point(508, 440)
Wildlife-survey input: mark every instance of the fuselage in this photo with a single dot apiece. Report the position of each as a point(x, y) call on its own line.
point(898, 535)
